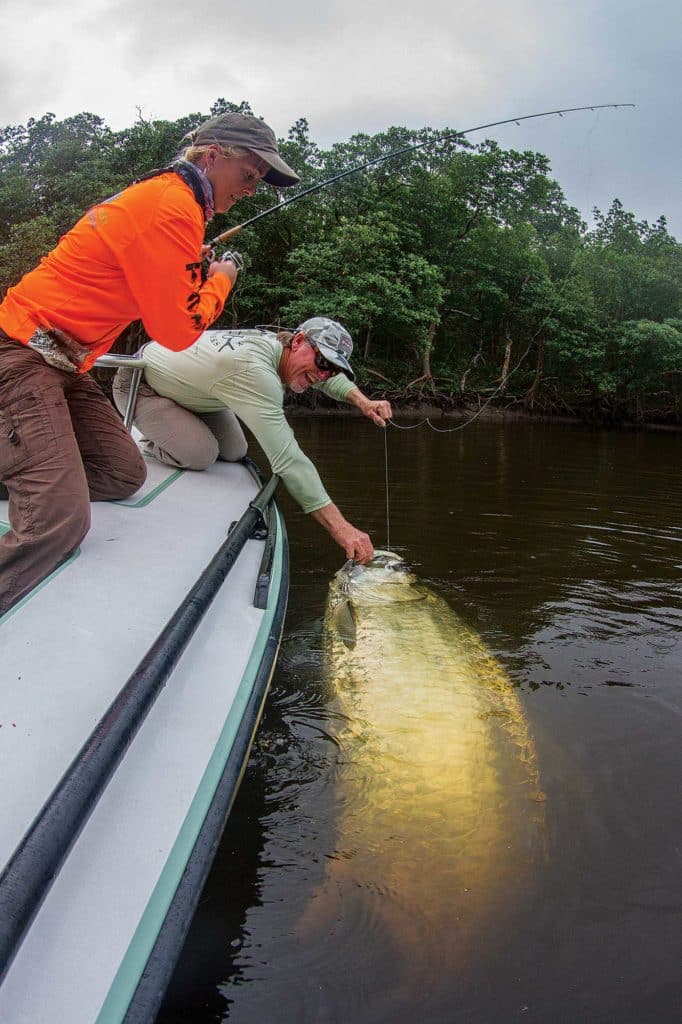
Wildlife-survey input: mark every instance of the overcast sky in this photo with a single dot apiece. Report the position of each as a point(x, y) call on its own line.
point(359, 65)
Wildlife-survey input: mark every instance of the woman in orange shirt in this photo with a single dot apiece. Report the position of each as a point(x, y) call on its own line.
point(134, 256)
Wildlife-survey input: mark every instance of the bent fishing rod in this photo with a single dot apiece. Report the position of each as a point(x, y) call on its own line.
point(442, 137)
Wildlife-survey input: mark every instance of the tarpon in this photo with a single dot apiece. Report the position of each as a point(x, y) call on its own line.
point(440, 814)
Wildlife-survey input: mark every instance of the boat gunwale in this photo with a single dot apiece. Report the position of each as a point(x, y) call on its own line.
point(198, 836)
point(161, 961)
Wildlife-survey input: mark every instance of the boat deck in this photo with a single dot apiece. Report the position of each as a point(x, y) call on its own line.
point(65, 653)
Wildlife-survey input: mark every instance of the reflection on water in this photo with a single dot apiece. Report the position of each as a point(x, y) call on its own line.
point(560, 546)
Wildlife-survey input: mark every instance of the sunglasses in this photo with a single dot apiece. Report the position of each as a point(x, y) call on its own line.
point(323, 364)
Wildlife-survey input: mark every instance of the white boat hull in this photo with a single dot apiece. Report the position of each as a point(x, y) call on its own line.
point(65, 654)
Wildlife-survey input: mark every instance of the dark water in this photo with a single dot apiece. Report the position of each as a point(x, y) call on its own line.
point(562, 547)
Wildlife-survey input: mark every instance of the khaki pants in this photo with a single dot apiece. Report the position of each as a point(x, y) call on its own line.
point(61, 447)
point(176, 436)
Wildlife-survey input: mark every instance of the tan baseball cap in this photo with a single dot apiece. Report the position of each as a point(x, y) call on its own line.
point(251, 133)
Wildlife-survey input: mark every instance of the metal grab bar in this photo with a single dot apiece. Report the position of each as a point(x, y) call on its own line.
point(136, 364)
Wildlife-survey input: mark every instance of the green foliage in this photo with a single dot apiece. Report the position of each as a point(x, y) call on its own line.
point(361, 275)
point(53, 169)
point(457, 265)
point(635, 269)
point(25, 244)
point(643, 353)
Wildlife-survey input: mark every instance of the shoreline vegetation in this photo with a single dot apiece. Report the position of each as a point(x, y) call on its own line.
point(448, 415)
point(461, 271)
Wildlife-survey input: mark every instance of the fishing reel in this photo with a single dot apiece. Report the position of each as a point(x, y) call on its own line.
point(209, 257)
point(235, 257)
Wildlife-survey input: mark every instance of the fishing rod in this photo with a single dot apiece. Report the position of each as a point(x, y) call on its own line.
point(442, 137)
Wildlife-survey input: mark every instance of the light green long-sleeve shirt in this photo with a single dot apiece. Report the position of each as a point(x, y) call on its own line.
point(238, 370)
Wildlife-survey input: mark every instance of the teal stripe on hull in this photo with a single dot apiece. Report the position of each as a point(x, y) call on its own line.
point(146, 499)
point(133, 964)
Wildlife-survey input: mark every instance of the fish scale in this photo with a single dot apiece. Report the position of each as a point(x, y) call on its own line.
point(440, 818)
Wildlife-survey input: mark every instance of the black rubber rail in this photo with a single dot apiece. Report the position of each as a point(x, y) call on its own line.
point(149, 994)
point(37, 860)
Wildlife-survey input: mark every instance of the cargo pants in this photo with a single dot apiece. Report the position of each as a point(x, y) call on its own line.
point(175, 435)
point(62, 446)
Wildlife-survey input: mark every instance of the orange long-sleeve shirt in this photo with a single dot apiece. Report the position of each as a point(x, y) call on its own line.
point(135, 256)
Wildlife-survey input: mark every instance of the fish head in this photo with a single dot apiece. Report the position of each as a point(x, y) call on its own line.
point(386, 580)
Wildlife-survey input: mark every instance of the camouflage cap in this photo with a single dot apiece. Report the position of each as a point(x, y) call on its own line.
point(250, 133)
point(332, 340)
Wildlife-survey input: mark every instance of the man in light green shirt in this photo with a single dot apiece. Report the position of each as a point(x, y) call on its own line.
point(188, 405)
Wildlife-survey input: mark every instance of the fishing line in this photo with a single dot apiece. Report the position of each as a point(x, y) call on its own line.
point(587, 145)
point(503, 382)
point(388, 517)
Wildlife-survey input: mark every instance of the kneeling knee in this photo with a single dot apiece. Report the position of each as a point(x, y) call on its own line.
point(202, 456)
point(134, 476)
point(201, 462)
point(138, 474)
point(238, 451)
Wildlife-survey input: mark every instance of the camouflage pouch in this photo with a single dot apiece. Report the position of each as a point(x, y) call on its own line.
point(59, 350)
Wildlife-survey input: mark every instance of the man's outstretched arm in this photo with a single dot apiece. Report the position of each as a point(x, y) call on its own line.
point(354, 542)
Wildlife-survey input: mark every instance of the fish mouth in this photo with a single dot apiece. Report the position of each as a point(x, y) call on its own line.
point(384, 562)
point(386, 580)
point(388, 560)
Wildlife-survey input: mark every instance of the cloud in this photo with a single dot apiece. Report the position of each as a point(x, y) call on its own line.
point(354, 66)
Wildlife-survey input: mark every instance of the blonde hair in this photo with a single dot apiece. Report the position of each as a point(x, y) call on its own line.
point(194, 153)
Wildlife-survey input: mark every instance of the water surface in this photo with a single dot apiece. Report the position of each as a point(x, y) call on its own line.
point(560, 546)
